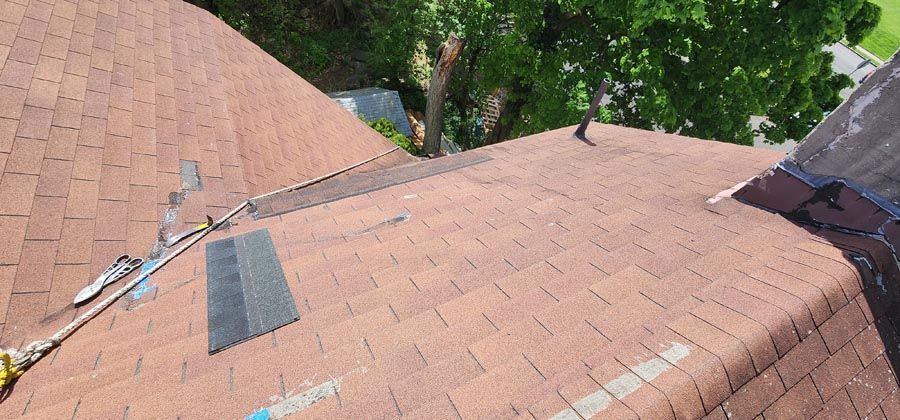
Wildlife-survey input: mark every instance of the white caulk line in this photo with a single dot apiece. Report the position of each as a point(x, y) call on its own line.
point(626, 383)
point(303, 400)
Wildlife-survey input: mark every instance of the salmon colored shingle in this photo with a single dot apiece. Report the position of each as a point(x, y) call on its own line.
point(555, 278)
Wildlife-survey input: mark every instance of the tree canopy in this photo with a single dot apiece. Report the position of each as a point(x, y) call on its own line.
point(696, 67)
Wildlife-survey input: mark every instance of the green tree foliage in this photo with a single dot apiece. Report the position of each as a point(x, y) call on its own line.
point(863, 23)
point(695, 67)
point(310, 37)
point(386, 128)
point(400, 40)
point(479, 24)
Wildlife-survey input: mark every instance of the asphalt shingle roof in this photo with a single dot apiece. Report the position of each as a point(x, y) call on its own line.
point(556, 278)
point(518, 286)
point(99, 102)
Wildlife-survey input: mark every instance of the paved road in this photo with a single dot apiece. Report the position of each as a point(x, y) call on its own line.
point(848, 62)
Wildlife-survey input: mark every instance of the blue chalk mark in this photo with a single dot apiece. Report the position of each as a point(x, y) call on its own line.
point(142, 286)
point(262, 414)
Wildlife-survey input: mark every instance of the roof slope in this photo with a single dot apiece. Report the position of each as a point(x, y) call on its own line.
point(99, 104)
point(557, 277)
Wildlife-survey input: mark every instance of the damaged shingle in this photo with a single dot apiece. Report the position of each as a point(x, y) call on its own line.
point(190, 175)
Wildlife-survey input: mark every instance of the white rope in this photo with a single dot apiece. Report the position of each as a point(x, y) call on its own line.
point(23, 359)
point(34, 351)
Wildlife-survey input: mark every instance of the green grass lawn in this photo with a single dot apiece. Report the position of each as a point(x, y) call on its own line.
point(885, 39)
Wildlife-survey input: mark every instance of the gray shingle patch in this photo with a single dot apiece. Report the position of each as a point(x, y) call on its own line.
point(247, 294)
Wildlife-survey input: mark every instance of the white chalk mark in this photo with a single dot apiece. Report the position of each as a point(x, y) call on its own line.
point(567, 414)
point(675, 353)
point(650, 369)
point(592, 404)
point(294, 404)
point(626, 383)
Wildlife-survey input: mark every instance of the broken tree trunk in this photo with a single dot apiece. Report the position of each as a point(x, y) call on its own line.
point(447, 56)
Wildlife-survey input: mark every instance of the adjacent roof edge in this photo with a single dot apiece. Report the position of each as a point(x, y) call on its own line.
point(860, 140)
point(846, 174)
point(741, 374)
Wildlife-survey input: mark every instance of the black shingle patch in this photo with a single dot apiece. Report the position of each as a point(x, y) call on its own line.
point(247, 294)
point(350, 185)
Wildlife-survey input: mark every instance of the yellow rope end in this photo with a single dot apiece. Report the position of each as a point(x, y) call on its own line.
point(9, 372)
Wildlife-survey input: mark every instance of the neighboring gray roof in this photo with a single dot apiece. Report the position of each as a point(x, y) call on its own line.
point(846, 173)
point(374, 103)
point(860, 140)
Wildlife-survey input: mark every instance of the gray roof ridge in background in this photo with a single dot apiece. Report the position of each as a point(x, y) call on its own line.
point(372, 103)
point(860, 140)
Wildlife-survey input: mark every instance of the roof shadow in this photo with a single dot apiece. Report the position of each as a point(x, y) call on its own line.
point(7, 390)
point(585, 140)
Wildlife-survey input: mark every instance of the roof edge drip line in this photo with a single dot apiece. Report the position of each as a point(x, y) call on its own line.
point(25, 358)
point(880, 237)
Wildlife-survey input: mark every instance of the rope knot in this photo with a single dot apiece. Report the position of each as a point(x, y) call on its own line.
point(23, 359)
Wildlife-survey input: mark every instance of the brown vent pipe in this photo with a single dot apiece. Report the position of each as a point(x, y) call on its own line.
point(580, 132)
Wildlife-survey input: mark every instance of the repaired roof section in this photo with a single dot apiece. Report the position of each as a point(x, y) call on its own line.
point(555, 279)
point(247, 294)
point(122, 121)
point(846, 173)
point(355, 184)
